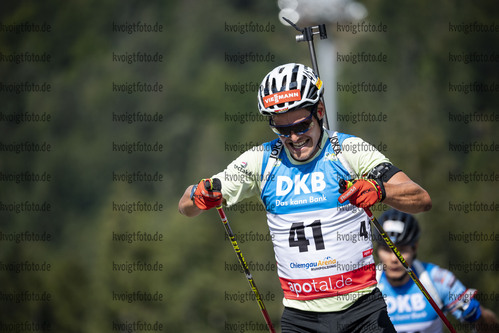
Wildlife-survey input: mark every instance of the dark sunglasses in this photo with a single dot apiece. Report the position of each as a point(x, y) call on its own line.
point(298, 128)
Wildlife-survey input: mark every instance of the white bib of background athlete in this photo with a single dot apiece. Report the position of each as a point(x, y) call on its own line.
point(322, 248)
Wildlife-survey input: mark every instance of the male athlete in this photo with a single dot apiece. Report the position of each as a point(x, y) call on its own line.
point(407, 307)
point(322, 247)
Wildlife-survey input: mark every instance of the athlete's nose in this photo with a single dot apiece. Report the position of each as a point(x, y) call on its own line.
point(294, 137)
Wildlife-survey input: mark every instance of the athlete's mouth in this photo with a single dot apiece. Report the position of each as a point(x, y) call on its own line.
point(299, 145)
point(396, 269)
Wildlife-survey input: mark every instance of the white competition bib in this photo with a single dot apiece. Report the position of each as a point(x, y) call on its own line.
point(322, 248)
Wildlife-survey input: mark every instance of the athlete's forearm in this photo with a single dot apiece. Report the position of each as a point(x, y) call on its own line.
point(405, 195)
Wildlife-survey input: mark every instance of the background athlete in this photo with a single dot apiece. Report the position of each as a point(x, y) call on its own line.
point(407, 307)
point(328, 281)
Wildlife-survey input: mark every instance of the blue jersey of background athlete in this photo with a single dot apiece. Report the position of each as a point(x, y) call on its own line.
point(411, 312)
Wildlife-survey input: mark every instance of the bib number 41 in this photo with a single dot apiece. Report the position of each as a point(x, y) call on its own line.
point(298, 239)
point(297, 236)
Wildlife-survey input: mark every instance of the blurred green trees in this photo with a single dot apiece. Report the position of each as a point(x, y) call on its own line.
point(207, 102)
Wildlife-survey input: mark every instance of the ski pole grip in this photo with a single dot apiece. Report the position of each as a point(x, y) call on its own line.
point(346, 190)
point(213, 184)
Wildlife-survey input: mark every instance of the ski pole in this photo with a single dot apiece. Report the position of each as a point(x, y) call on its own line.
point(307, 35)
point(245, 267)
point(399, 256)
point(408, 269)
point(351, 190)
point(241, 259)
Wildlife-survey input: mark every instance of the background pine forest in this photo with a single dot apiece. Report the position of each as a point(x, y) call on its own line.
point(75, 282)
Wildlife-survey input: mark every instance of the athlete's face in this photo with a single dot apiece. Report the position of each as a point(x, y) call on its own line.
point(394, 271)
point(301, 146)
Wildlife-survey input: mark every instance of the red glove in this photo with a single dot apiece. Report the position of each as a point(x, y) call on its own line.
point(362, 193)
point(206, 194)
